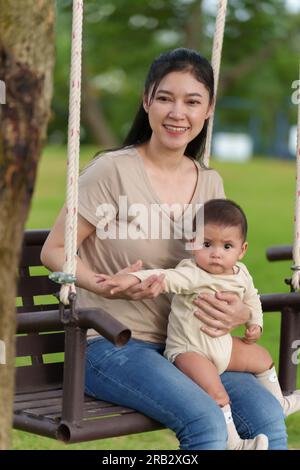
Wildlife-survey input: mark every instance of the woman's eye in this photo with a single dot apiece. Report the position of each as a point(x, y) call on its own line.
point(193, 102)
point(162, 98)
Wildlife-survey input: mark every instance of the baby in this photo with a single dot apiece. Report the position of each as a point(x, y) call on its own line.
point(216, 267)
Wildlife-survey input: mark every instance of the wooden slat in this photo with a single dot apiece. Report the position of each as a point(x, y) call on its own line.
point(42, 403)
point(35, 237)
point(31, 345)
point(24, 273)
point(31, 256)
point(39, 377)
point(93, 403)
point(52, 408)
point(37, 308)
point(36, 285)
point(26, 397)
point(111, 410)
point(51, 411)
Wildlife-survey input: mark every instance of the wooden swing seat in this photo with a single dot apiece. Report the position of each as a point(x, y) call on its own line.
point(50, 399)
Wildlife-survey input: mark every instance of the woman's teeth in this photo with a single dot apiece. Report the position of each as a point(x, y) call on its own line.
point(176, 129)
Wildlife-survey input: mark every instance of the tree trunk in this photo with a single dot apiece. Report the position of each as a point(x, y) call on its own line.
point(92, 114)
point(26, 66)
point(194, 28)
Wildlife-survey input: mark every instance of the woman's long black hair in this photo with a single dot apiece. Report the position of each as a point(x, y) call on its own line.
point(173, 61)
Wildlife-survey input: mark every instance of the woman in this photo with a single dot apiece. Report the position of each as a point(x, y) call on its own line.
point(131, 203)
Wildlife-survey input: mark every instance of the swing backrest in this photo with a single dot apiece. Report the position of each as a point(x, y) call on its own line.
point(39, 356)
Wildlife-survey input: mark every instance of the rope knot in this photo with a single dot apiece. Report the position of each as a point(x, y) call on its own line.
point(62, 278)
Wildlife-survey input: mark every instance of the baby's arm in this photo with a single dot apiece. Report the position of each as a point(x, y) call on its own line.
point(252, 300)
point(183, 279)
point(254, 325)
point(252, 333)
point(120, 282)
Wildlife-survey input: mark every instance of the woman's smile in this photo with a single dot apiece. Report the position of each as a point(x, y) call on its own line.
point(176, 130)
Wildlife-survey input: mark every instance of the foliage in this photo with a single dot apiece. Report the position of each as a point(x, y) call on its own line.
point(121, 38)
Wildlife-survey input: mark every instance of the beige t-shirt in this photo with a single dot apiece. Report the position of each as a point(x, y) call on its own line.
point(116, 196)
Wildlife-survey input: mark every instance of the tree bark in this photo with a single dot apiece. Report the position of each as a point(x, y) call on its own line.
point(26, 67)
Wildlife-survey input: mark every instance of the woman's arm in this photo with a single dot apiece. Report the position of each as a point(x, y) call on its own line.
point(52, 256)
point(221, 313)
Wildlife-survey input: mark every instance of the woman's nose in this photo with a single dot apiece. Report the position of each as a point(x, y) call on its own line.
point(177, 111)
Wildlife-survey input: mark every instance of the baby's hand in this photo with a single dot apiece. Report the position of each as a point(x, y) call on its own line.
point(119, 282)
point(252, 334)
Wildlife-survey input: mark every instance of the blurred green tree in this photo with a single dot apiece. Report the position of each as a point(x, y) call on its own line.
point(121, 39)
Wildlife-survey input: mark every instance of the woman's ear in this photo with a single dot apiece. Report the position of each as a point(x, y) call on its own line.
point(210, 109)
point(145, 103)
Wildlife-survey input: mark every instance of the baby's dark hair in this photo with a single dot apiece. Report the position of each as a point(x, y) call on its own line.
point(227, 213)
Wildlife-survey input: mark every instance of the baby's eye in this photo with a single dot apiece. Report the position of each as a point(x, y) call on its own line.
point(227, 246)
point(206, 245)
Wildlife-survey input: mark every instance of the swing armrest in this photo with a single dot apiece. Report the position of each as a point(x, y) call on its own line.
point(277, 302)
point(97, 319)
point(105, 325)
point(279, 253)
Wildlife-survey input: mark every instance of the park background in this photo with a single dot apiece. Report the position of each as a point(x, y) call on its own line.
point(260, 63)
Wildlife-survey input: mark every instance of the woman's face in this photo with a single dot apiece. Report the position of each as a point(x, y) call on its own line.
point(178, 111)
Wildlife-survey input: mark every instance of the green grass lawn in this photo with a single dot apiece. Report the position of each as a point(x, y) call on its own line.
point(265, 189)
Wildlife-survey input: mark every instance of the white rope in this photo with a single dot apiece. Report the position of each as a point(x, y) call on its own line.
point(69, 266)
point(296, 247)
point(216, 63)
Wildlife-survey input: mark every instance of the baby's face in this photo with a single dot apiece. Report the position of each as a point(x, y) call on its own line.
point(222, 248)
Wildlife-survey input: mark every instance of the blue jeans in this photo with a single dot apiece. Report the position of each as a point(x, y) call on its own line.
point(138, 376)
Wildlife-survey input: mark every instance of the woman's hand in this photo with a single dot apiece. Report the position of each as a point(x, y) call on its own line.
point(150, 288)
point(221, 313)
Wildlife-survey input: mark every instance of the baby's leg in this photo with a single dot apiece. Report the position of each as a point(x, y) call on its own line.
point(205, 374)
point(248, 357)
point(254, 358)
